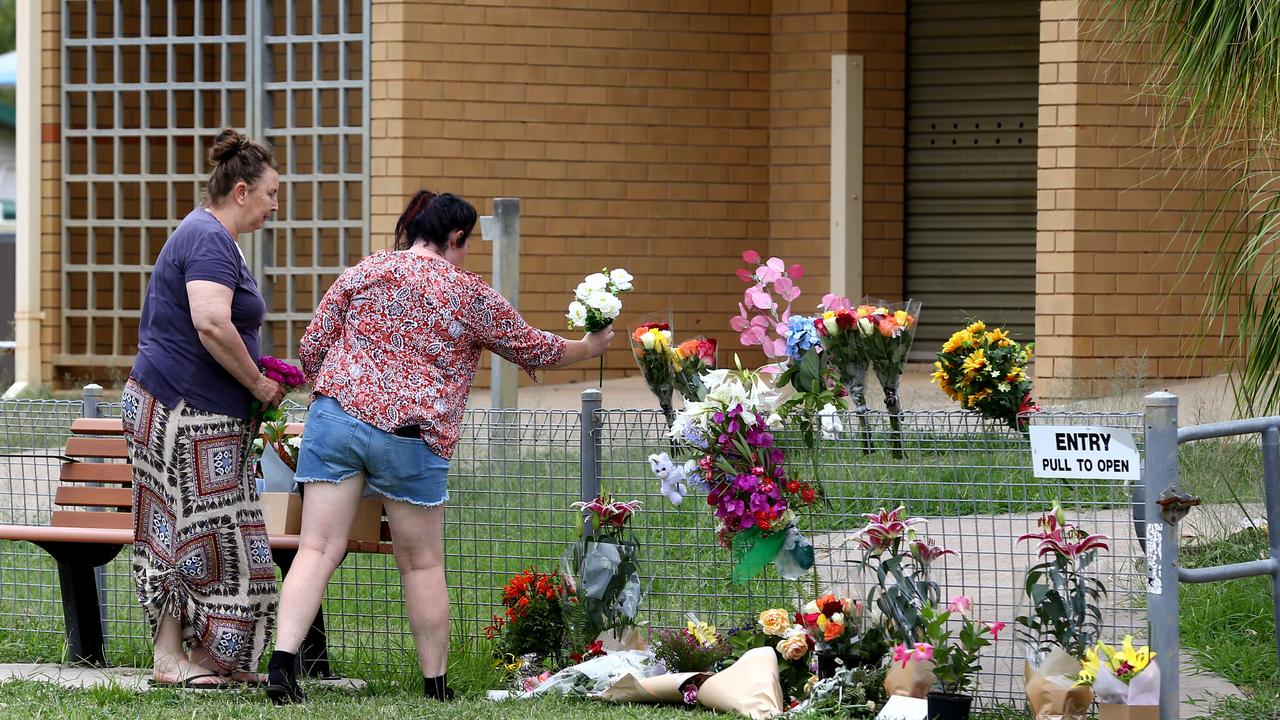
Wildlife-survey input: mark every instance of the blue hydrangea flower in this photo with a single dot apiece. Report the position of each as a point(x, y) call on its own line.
point(801, 335)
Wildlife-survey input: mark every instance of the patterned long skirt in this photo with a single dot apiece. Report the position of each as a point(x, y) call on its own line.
point(200, 549)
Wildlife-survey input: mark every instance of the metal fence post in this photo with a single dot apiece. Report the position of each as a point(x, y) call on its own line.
point(502, 228)
point(589, 451)
point(1160, 474)
point(1271, 481)
point(90, 397)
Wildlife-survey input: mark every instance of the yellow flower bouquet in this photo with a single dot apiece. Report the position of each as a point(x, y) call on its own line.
point(986, 372)
point(1125, 681)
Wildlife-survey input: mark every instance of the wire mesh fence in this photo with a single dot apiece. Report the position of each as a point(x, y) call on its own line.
point(516, 472)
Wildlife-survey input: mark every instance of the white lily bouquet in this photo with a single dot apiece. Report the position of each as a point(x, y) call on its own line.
point(595, 301)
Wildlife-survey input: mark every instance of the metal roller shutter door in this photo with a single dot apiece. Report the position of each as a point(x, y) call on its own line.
point(972, 90)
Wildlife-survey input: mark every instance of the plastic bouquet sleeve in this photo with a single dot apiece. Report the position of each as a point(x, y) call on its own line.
point(651, 346)
point(1051, 693)
point(668, 688)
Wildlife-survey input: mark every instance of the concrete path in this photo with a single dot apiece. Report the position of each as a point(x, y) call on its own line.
point(126, 678)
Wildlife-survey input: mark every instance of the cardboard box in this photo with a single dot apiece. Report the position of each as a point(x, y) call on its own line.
point(1111, 711)
point(281, 512)
point(368, 523)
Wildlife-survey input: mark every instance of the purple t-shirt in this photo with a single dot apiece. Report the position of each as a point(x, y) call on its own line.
point(172, 363)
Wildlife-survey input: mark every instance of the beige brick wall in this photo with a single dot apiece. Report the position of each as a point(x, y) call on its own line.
point(1112, 301)
point(805, 34)
point(634, 137)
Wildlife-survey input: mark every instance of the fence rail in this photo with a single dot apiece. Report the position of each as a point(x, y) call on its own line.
point(515, 473)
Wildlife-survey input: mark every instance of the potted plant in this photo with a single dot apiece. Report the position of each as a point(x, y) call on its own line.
point(840, 634)
point(600, 572)
point(955, 658)
point(903, 588)
point(1064, 619)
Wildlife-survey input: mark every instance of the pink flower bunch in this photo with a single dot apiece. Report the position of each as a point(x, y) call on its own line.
point(282, 372)
point(1062, 538)
point(762, 318)
point(919, 652)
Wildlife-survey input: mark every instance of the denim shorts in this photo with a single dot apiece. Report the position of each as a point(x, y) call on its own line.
point(336, 446)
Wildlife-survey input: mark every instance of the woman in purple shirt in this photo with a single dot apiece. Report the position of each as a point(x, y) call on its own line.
point(201, 559)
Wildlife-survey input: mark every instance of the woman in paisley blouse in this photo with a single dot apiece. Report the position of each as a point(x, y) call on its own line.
point(391, 354)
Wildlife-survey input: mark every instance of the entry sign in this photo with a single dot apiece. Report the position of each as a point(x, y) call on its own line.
point(1084, 451)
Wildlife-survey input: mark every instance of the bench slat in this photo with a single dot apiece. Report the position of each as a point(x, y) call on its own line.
point(114, 473)
point(97, 426)
point(124, 536)
point(89, 447)
point(84, 519)
point(94, 496)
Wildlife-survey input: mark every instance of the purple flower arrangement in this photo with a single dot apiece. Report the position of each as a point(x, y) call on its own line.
point(747, 481)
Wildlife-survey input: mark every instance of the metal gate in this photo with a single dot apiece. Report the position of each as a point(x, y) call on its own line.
point(972, 95)
point(146, 85)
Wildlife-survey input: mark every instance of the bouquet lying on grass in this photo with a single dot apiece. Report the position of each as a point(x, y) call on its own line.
point(697, 647)
point(986, 372)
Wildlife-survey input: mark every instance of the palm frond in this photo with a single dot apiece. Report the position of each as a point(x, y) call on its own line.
point(1216, 71)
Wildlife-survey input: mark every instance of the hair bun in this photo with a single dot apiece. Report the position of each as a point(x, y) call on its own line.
point(226, 146)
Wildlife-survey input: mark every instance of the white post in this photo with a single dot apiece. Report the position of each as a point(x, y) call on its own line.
point(846, 175)
point(27, 315)
point(502, 228)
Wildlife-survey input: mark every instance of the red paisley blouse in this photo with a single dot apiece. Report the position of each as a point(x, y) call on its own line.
point(397, 338)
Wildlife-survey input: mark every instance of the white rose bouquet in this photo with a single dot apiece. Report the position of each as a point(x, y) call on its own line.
point(595, 301)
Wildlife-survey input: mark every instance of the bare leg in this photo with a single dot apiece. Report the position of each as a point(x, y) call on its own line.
point(327, 514)
point(419, 549)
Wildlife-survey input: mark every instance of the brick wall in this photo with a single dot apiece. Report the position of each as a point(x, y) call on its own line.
point(1111, 298)
point(806, 33)
point(634, 137)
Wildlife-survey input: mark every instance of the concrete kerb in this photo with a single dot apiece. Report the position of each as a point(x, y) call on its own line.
point(128, 678)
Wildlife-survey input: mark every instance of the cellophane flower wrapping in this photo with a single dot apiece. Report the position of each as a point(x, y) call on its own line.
point(839, 626)
point(887, 332)
point(692, 359)
point(651, 347)
point(985, 370)
point(601, 575)
point(743, 468)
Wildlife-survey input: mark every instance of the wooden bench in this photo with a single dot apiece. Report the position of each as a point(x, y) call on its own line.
point(92, 521)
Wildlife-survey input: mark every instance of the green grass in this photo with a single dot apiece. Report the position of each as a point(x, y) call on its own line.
point(1228, 626)
point(43, 700)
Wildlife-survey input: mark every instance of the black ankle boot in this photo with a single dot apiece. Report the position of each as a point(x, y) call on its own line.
point(437, 688)
point(282, 679)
